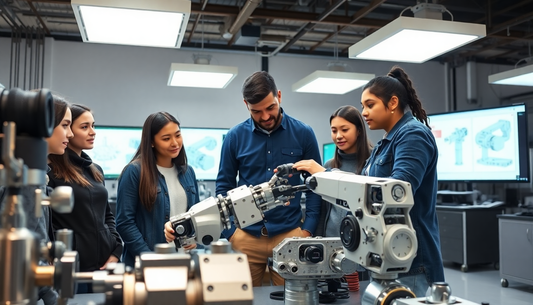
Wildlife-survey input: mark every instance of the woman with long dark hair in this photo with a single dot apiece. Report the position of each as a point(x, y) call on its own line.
point(408, 152)
point(95, 237)
point(348, 132)
point(156, 184)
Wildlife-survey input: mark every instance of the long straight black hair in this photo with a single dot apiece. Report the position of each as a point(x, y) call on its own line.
point(146, 157)
point(362, 143)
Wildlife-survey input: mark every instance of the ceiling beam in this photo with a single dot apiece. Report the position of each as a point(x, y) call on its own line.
point(309, 26)
point(502, 11)
point(285, 15)
point(510, 23)
point(32, 7)
point(198, 17)
point(356, 17)
point(491, 46)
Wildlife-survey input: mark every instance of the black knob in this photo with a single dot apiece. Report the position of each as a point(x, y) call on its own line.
point(359, 213)
point(207, 240)
point(311, 183)
point(313, 254)
point(350, 233)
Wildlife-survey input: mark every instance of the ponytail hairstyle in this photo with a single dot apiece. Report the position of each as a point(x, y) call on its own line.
point(362, 143)
point(64, 168)
point(146, 157)
point(397, 83)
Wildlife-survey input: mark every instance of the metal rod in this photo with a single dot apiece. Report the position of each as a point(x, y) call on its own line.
point(42, 57)
point(25, 60)
point(30, 79)
point(11, 61)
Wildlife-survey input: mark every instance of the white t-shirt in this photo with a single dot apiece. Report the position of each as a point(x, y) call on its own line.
point(176, 193)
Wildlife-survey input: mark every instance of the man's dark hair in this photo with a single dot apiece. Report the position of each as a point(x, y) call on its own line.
point(258, 86)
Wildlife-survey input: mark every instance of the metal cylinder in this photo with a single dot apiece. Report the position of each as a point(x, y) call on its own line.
point(165, 248)
point(65, 236)
point(301, 292)
point(385, 292)
point(340, 263)
point(18, 254)
point(221, 246)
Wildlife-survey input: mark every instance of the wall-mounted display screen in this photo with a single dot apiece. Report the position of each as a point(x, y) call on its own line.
point(328, 151)
point(115, 146)
point(203, 147)
point(483, 145)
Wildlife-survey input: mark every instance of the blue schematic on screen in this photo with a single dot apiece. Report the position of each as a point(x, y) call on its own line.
point(482, 145)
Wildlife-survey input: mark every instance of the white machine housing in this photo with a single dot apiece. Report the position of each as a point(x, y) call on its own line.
point(311, 258)
point(387, 241)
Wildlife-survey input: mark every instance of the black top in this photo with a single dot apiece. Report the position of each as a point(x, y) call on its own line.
point(93, 223)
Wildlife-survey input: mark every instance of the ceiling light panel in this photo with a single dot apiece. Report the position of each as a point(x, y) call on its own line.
point(155, 23)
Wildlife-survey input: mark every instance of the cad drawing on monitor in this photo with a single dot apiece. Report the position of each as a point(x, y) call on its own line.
point(457, 138)
point(488, 140)
point(203, 147)
point(482, 145)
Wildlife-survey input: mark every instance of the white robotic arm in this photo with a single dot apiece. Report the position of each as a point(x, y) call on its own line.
point(204, 222)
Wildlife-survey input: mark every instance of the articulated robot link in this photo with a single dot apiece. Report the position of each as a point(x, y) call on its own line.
point(204, 222)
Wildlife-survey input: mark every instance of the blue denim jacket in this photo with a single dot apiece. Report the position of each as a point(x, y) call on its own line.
point(139, 228)
point(409, 153)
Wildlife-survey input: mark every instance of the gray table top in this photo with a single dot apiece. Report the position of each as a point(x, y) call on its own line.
point(261, 297)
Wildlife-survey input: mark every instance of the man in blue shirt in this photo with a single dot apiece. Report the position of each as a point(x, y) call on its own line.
point(252, 150)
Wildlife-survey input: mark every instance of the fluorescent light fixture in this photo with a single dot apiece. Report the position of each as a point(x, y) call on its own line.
point(331, 82)
point(415, 40)
point(153, 23)
point(518, 77)
point(201, 76)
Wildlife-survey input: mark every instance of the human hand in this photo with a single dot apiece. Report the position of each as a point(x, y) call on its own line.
point(111, 259)
point(169, 232)
point(310, 166)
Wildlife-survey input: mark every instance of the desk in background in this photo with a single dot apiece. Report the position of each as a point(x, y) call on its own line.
point(469, 234)
point(516, 249)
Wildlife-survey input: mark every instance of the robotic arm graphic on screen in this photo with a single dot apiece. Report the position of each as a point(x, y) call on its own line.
point(197, 158)
point(458, 137)
point(486, 139)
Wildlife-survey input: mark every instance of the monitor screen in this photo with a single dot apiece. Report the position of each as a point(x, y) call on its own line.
point(203, 147)
point(115, 146)
point(328, 152)
point(483, 145)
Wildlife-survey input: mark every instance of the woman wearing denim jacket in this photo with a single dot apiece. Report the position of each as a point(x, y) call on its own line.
point(407, 152)
point(156, 184)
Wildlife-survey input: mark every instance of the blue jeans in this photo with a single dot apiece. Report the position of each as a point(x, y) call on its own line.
point(418, 284)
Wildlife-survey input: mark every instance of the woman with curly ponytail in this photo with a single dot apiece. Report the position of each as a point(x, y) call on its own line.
point(408, 152)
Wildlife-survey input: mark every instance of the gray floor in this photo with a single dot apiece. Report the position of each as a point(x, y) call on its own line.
point(482, 284)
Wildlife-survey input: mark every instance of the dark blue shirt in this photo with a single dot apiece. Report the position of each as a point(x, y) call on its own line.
point(139, 228)
point(252, 154)
point(409, 153)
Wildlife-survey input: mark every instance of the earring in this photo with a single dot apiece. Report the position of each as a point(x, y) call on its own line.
point(390, 112)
